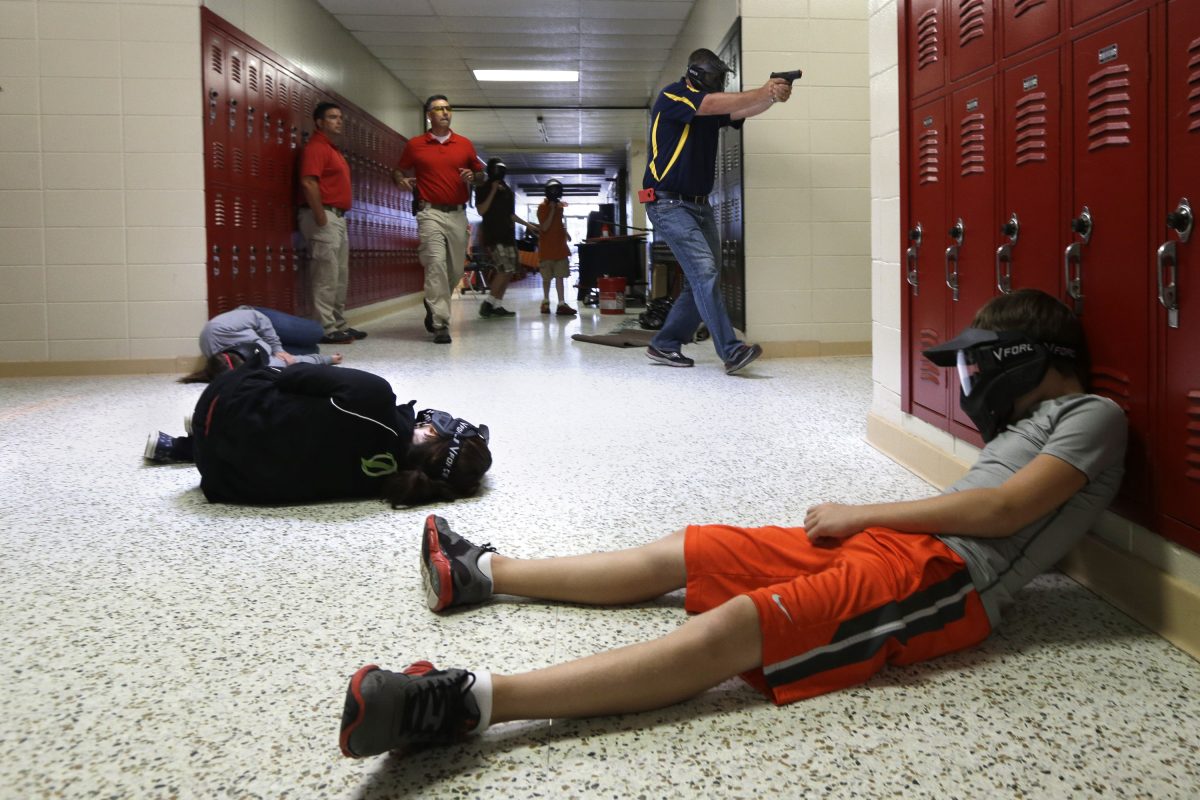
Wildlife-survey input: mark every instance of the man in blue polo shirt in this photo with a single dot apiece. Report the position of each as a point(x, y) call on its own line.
point(684, 127)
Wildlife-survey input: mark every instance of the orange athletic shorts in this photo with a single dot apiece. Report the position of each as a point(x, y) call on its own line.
point(831, 617)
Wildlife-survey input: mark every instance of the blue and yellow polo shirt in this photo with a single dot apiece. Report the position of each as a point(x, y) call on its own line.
point(683, 146)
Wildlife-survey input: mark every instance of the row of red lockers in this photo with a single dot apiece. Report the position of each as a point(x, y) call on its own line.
point(951, 39)
point(257, 118)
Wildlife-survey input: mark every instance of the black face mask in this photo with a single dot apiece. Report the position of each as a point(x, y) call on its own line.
point(995, 368)
point(454, 428)
point(251, 354)
point(496, 169)
point(709, 76)
point(554, 190)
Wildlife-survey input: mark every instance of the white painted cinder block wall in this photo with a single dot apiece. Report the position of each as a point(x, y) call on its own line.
point(101, 165)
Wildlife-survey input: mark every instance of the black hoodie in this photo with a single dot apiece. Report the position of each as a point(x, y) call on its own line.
point(300, 434)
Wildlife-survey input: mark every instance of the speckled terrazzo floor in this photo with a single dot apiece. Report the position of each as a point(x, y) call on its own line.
point(154, 645)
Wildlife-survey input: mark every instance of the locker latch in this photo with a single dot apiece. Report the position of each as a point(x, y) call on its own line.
point(957, 233)
point(1181, 221)
point(915, 234)
point(1082, 226)
point(1012, 230)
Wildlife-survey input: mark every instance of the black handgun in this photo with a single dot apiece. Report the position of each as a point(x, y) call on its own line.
point(789, 76)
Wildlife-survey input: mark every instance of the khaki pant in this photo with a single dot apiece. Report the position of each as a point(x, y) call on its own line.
point(328, 267)
point(443, 252)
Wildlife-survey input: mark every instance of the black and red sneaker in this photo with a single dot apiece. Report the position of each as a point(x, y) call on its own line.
point(392, 710)
point(450, 567)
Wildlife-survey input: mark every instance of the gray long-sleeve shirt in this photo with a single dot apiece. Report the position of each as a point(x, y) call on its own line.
point(246, 325)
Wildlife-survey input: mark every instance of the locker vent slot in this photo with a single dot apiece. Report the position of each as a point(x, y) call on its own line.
point(1194, 83)
point(928, 157)
point(1108, 107)
point(1113, 385)
point(970, 21)
point(1031, 130)
point(217, 59)
point(1023, 7)
point(1192, 438)
point(218, 209)
point(255, 216)
point(252, 75)
point(218, 155)
point(235, 69)
point(238, 166)
point(927, 39)
point(255, 166)
point(929, 372)
point(239, 217)
point(971, 133)
point(268, 86)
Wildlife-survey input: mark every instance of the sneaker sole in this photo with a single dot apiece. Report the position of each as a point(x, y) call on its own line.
point(354, 695)
point(435, 568)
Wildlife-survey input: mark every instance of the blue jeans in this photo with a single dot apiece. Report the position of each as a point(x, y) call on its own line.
point(691, 231)
point(299, 335)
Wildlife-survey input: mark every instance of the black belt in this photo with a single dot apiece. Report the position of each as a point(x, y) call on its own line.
point(440, 207)
point(698, 199)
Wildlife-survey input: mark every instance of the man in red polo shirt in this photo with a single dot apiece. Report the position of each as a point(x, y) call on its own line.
point(440, 165)
point(325, 190)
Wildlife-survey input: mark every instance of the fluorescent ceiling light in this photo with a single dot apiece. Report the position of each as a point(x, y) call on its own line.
point(528, 75)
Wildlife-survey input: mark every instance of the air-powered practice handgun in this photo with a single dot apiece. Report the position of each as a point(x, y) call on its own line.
point(789, 76)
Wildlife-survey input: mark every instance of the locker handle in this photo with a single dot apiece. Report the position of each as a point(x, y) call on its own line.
point(1168, 293)
point(912, 275)
point(1004, 273)
point(1074, 255)
point(952, 274)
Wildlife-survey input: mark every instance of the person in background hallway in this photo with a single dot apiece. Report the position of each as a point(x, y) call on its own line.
point(440, 165)
point(686, 121)
point(325, 186)
point(552, 248)
point(796, 612)
point(497, 205)
point(278, 338)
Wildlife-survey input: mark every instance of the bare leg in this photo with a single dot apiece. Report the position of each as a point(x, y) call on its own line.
point(705, 651)
point(558, 286)
point(546, 290)
point(623, 576)
point(499, 284)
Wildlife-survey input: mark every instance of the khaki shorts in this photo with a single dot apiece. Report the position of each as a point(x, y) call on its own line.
point(504, 256)
point(554, 268)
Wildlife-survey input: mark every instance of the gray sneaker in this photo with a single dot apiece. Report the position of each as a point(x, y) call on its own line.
point(422, 705)
point(450, 567)
point(742, 357)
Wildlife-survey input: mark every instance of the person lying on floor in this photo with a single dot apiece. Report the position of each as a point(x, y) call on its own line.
point(309, 433)
point(230, 338)
point(798, 612)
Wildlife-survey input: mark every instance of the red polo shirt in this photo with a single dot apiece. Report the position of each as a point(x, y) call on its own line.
point(436, 166)
point(322, 161)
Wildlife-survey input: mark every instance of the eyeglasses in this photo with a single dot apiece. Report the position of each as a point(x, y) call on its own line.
point(447, 109)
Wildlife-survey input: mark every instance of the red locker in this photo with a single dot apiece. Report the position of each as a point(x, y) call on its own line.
point(971, 45)
point(925, 266)
point(1178, 279)
point(1106, 266)
point(1029, 214)
point(926, 46)
point(973, 229)
point(1083, 10)
point(1028, 22)
point(216, 130)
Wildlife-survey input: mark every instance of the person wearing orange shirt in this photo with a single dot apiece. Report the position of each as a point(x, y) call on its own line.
point(552, 248)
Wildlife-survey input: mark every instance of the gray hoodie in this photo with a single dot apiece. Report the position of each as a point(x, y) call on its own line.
point(245, 324)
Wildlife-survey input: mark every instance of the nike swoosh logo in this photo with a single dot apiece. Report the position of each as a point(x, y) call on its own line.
point(779, 602)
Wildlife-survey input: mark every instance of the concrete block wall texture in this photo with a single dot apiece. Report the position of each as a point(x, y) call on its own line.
point(101, 165)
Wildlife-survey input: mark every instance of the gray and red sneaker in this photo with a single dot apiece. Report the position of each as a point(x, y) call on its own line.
point(450, 567)
point(393, 710)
